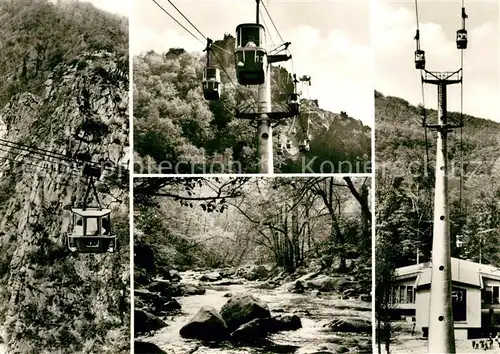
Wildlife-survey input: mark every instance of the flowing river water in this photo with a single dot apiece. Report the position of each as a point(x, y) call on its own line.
point(314, 311)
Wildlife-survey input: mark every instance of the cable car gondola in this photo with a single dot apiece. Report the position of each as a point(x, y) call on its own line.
point(212, 85)
point(90, 227)
point(293, 104)
point(304, 146)
point(288, 144)
point(91, 231)
point(419, 59)
point(250, 56)
point(462, 39)
point(462, 33)
point(280, 149)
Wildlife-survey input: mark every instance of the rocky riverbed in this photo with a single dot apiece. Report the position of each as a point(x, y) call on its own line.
point(329, 321)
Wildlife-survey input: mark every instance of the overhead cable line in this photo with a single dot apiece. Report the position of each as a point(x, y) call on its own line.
point(276, 28)
point(180, 24)
point(171, 3)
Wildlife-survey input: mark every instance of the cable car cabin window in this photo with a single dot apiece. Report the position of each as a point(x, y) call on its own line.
point(92, 226)
point(78, 225)
point(211, 86)
point(459, 303)
point(106, 225)
point(250, 34)
point(210, 73)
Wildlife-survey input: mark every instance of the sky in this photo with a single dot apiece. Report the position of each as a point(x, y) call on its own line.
point(394, 29)
point(330, 41)
point(120, 7)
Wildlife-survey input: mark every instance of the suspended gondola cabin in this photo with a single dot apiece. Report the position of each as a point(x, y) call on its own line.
point(462, 39)
point(91, 231)
point(212, 86)
point(304, 147)
point(419, 59)
point(250, 56)
point(293, 104)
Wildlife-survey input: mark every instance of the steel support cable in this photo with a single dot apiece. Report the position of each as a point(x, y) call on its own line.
point(266, 27)
point(48, 154)
point(35, 150)
point(461, 184)
point(35, 153)
point(424, 111)
point(35, 165)
point(180, 24)
point(228, 76)
point(276, 28)
point(175, 7)
point(53, 154)
point(37, 158)
point(196, 28)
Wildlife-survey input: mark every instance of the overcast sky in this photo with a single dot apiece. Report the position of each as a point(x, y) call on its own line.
point(394, 28)
point(330, 41)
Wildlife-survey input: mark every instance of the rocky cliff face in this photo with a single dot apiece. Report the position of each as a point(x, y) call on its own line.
point(53, 301)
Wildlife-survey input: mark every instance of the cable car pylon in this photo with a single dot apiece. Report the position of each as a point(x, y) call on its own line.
point(253, 67)
point(441, 324)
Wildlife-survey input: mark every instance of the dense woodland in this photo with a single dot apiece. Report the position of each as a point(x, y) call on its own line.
point(287, 223)
point(36, 36)
point(53, 54)
point(174, 123)
point(405, 189)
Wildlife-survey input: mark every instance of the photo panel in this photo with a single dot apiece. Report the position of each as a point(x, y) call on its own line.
point(437, 156)
point(64, 179)
point(252, 87)
point(253, 265)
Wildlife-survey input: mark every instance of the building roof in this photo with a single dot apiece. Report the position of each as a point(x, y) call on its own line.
point(462, 271)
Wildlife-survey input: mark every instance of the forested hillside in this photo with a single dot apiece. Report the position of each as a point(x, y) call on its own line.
point(288, 241)
point(63, 90)
point(174, 124)
point(405, 193)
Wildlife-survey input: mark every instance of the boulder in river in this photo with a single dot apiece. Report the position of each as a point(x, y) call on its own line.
point(191, 289)
point(141, 347)
point(261, 327)
point(243, 308)
point(287, 322)
point(165, 288)
point(350, 324)
point(257, 273)
point(210, 277)
point(206, 325)
point(146, 322)
point(174, 275)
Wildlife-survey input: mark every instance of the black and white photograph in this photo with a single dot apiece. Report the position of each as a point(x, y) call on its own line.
point(64, 177)
point(252, 86)
point(437, 194)
point(252, 265)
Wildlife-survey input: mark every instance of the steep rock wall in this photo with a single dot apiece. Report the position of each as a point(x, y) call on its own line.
point(53, 301)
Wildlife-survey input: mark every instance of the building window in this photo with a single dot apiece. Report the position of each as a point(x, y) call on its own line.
point(490, 295)
point(409, 295)
point(459, 302)
point(403, 294)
